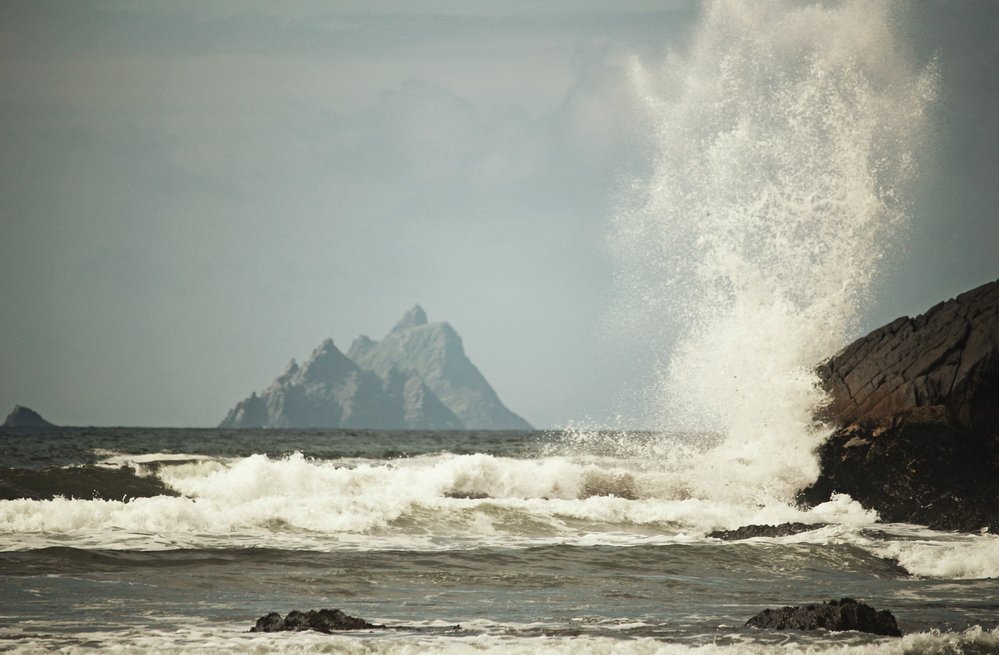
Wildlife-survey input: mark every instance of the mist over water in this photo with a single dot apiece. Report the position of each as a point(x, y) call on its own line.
point(785, 140)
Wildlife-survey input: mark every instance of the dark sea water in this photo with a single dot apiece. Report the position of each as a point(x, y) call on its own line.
point(530, 542)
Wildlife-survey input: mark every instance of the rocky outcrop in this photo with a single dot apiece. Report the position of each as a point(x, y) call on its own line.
point(22, 417)
point(915, 405)
point(325, 620)
point(333, 620)
point(939, 368)
point(752, 531)
point(417, 378)
point(833, 615)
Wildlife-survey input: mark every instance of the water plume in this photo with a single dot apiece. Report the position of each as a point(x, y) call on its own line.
point(784, 142)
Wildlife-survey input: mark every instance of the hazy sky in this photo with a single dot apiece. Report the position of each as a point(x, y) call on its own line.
point(194, 193)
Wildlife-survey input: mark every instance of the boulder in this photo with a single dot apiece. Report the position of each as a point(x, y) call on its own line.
point(324, 620)
point(915, 407)
point(833, 615)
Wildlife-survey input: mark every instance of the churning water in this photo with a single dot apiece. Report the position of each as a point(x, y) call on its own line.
point(531, 542)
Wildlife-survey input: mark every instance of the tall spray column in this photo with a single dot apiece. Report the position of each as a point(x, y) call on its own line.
point(785, 139)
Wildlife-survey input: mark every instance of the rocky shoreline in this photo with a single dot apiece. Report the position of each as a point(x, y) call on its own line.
point(915, 406)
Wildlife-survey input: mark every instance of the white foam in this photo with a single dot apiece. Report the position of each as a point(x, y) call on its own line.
point(237, 640)
point(425, 502)
point(961, 557)
point(784, 144)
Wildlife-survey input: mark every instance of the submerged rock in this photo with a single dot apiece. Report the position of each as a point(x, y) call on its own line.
point(324, 620)
point(916, 410)
point(833, 615)
point(23, 417)
point(750, 531)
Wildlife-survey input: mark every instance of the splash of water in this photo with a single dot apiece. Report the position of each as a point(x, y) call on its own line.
point(784, 143)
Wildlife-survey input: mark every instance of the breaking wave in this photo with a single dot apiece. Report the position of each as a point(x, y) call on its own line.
point(447, 501)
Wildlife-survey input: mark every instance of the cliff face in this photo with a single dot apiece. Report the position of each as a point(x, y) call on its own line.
point(417, 378)
point(916, 410)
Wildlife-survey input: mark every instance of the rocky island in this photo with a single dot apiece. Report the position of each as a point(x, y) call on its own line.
point(23, 417)
point(915, 406)
point(417, 378)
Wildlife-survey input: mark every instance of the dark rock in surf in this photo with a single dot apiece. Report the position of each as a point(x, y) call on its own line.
point(82, 482)
point(23, 417)
point(916, 410)
point(272, 622)
point(833, 615)
point(751, 531)
point(324, 620)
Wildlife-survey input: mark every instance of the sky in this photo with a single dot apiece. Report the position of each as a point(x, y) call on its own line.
point(194, 193)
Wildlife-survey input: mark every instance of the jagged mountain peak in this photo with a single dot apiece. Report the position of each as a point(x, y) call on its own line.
point(326, 362)
point(361, 345)
point(415, 317)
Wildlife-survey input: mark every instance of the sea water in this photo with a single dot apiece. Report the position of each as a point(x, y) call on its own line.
point(465, 541)
point(783, 140)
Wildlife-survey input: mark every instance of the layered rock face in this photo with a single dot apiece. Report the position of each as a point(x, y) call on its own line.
point(417, 378)
point(916, 406)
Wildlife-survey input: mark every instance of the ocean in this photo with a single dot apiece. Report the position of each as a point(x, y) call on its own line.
point(461, 542)
point(783, 146)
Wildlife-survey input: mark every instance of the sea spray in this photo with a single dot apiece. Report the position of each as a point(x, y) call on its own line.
point(784, 142)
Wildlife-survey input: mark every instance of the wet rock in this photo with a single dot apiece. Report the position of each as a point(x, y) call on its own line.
point(750, 531)
point(272, 622)
point(915, 405)
point(833, 615)
point(931, 475)
point(324, 620)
